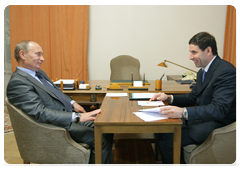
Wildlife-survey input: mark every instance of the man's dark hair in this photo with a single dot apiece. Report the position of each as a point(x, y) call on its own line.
point(204, 40)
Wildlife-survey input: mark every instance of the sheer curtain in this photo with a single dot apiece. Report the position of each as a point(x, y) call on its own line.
point(229, 51)
point(61, 31)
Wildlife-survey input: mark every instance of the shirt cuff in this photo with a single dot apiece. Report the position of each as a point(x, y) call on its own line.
point(171, 99)
point(72, 102)
point(73, 116)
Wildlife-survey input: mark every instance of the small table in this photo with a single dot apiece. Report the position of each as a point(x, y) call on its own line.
point(117, 117)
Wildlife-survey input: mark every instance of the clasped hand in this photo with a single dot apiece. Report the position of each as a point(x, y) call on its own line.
point(85, 116)
point(170, 111)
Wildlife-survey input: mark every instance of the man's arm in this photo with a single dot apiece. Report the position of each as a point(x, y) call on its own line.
point(45, 109)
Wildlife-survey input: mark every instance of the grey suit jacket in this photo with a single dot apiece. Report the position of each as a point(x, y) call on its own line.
point(33, 98)
point(215, 100)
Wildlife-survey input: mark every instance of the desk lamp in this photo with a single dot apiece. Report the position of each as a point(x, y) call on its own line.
point(163, 64)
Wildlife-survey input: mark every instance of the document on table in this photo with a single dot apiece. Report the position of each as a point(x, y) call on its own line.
point(116, 95)
point(151, 114)
point(139, 96)
point(152, 103)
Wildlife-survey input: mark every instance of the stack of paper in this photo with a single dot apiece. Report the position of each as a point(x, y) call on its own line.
point(151, 114)
point(68, 84)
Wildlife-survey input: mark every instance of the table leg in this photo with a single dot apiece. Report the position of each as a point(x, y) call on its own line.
point(177, 145)
point(98, 144)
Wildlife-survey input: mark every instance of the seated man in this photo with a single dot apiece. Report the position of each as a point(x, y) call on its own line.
point(32, 91)
point(211, 103)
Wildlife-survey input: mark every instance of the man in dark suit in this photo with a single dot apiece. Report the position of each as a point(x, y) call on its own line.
point(211, 103)
point(32, 91)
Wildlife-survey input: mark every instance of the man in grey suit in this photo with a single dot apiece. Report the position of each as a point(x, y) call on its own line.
point(32, 91)
point(211, 103)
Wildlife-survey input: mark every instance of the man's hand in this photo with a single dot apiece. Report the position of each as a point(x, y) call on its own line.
point(78, 108)
point(89, 115)
point(172, 112)
point(159, 96)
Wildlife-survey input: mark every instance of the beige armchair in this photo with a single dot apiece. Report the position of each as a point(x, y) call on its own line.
point(45, 143)
point(122, 66)
point(219, 148)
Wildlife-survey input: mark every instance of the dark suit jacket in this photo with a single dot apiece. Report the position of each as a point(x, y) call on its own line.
point(215, 99)
point(33, 98)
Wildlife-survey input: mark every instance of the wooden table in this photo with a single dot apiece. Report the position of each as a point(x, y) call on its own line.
point(93, 96)
point(117, 117)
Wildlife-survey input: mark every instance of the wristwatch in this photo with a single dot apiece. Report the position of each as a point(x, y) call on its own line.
point(78, 115)
point(185, 114)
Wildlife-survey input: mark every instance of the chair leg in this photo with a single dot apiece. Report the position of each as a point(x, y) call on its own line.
point(26, 162)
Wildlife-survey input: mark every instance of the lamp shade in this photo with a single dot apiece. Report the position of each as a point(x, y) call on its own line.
point(163, 64)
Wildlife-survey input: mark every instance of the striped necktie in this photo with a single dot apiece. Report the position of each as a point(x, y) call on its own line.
point(61, 96)
point(203, 76)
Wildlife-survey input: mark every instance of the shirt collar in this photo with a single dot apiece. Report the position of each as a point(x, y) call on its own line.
point(209, 64)
point(28, 71)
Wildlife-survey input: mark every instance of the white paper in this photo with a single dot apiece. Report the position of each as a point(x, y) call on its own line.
point(116, 95)
point(65, 81)
point(152, 103)
point(137, 83)
point(83, 86)
point(155, 109)
point(149, 116)
point(142, 95)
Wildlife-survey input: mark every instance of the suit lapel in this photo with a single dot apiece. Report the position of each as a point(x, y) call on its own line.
point(208, 75)
point(35, 82)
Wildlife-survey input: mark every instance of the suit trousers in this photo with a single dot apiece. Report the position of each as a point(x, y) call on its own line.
point(84, 133)
point(165, 144)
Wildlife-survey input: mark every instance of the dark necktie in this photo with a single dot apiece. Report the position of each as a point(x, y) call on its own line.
point(203, 76)
point(56, 92)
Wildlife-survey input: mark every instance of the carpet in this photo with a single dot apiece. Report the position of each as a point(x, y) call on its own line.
point(7, 123)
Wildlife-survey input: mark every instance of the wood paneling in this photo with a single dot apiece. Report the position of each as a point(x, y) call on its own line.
point(61, 31)
point(229, 51)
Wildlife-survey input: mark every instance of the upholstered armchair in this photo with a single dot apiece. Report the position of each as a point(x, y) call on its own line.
point(123, 66)
point(219, 148)
point(45, 143)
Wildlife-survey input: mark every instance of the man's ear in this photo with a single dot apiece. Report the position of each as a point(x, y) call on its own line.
point(21, 54)
point(209, 50)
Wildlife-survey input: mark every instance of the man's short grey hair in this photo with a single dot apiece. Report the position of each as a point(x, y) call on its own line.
point(23, 45)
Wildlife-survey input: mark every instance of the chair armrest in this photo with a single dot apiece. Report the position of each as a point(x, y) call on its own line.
point(219, 147)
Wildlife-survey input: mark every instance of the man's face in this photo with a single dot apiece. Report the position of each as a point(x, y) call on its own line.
point(199, 57)
point(34, 57)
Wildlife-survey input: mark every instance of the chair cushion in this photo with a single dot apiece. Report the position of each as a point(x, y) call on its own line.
point(188, 150)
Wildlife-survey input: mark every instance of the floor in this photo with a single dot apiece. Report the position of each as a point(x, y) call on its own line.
point(11, 153)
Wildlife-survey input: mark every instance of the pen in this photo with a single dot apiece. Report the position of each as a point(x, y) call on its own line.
point(162, 76)
point(144, 79)
point(132, 78)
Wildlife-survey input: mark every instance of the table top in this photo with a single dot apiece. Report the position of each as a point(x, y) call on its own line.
point(119, 111)
point(169, 87)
